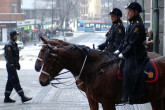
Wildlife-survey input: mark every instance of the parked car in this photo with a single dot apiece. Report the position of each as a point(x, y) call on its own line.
point(61, 38)
point(64, 29)
point(20, 44)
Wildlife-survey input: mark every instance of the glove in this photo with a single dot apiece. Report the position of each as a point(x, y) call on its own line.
point(121, 55)
point(117, 52)
point(18, 66)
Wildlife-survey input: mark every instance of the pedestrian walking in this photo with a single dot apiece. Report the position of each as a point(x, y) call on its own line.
point(11, 54)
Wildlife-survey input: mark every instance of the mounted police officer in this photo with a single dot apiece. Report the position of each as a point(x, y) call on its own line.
point(12, 58)
point(116, 34)
point(135, 55)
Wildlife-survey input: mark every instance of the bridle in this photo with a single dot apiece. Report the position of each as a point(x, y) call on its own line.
point(76, 78)
point(38, 58)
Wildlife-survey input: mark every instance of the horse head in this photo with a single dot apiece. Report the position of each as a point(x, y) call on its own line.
point(52, 42)
point(51, 62)
point(71, 58)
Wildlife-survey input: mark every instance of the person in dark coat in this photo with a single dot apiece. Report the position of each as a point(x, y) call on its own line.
point(11, 54)
point(116, 34)
point(135, 55)
point(150, 41)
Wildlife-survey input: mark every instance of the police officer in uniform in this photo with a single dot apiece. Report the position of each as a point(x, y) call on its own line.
point(12, 58)
point(116, 34)
point(135, 55)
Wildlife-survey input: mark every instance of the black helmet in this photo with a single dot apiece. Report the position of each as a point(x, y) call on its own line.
point(13, 33)
point(135, 6)
point(116, 12)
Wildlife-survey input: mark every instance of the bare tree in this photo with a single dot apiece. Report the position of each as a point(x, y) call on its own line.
point(43, 10)
point(65, 8)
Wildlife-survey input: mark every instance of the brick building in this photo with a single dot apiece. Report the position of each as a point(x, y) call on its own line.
point(10, 14)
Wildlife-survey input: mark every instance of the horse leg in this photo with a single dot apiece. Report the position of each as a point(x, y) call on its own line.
point(154, 105)
point(108, 105)
point(162, 104)
point(92, 103)
point(158, 105)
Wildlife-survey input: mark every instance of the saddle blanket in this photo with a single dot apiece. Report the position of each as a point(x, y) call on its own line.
point(150, 71)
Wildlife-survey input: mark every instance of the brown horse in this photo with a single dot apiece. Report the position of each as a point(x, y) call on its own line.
point(103, 85)
point(93, 104)
point(53, 42)
point(39, 63)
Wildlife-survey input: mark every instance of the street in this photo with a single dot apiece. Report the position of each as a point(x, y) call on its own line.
point(50, 98)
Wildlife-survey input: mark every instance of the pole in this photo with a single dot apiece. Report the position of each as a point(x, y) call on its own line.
point(35, 13)
point(108, 7)
point(164, 34)
point(151, 15)
point(35, 16)
point(52, 13)
point(156, 26)
point(52, 19)
point(143, 13)
point(112, 4)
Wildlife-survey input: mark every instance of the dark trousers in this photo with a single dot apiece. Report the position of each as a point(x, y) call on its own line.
point(133, 78)
point(13, 81)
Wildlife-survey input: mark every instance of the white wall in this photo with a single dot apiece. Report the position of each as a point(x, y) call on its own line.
point(4, 35)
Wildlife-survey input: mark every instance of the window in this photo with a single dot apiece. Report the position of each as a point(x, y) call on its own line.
point(92, 25)
point(14, 8)
point(97, 25)
point(80, 25)
point(87, 25)
point(105, 26)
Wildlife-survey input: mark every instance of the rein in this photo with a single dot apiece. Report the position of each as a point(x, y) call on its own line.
point(63, 83)
point(78, 77)
point(103, 65)
point(38, 58)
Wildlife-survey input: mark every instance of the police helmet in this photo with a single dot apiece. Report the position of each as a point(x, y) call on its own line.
point(116, 12)
point(13, 33)
point(135, 6)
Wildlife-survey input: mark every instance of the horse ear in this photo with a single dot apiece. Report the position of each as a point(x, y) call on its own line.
point(49, 47)
point(44, 39)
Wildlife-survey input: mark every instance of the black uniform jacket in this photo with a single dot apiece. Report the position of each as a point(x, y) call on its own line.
point(114, 37)
point(11, 52)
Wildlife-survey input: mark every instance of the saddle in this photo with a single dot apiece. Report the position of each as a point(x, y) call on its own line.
point(150, 71)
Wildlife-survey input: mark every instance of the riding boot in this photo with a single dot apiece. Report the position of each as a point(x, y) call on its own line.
point(25, 99)
point(124, 100)
point(8, 100)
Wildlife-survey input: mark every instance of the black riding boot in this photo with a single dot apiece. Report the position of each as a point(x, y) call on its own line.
point(124, 100)
point(8, 100)
point(25, 99)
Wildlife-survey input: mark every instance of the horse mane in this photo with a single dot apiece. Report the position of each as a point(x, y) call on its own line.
point(84, 50)
point(64, 43)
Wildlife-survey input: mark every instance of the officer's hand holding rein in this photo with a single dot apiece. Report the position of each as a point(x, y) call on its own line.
point(121, 55)
point(18, 67)
point(117, 52)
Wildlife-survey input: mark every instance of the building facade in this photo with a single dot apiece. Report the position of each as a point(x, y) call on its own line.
point(10, 14)
point(89, 9)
